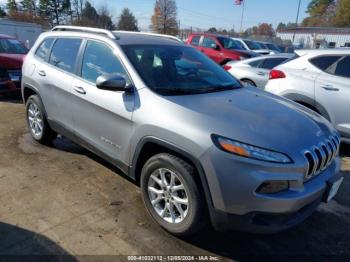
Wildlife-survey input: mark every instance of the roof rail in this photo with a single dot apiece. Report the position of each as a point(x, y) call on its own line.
point(84, 29)
point(150, 34)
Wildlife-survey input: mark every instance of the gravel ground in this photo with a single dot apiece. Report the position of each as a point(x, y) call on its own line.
point(63, 200)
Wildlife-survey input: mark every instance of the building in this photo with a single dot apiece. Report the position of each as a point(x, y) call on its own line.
point(27, 33)
point(316, 37)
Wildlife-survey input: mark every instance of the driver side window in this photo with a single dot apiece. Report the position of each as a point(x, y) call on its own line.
point(98, 60)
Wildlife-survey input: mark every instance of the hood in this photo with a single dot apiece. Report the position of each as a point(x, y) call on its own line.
point(11, 61)
point(245, 53)
point(256, 117)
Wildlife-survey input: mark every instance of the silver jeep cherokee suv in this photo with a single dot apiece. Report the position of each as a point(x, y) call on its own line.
point(201, 146)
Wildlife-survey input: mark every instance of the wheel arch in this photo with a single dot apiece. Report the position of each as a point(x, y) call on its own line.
point(150, 146)
point(246, 78)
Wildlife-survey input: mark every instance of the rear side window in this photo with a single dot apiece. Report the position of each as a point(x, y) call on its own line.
point(208, 42)
point(195, 40)
point(273, 62)
point(43, 51)
point(343, 67)
point(64, 53)
point(98, 60)
point(324, 62)
point(256, 63)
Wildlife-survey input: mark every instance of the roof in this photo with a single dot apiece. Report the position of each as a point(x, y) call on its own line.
point(210, 34)
point(122, 37)
point(316, 30)
point(135, 38)
point(326, 51)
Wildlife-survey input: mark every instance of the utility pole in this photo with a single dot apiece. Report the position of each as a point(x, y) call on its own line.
point(297, 20)
point(243, 7)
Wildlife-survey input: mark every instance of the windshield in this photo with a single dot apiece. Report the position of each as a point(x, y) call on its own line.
point(273, 47)
point(12, 46)
point(170, 70)
point(261, 45)
point(228, 43)
point(252, 45)
point(239, 44)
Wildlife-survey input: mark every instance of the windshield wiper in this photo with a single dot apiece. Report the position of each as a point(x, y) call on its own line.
point(220, 88)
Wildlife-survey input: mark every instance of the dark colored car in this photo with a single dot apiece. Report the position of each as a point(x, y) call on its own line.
point(12, 53)
point(221, 49)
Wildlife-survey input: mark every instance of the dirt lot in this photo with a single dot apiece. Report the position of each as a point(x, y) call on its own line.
point(65, 200)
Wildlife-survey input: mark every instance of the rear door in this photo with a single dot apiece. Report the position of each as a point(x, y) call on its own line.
point(332, 89)
point(102, 118)
point(56, 75)
point(195, 40)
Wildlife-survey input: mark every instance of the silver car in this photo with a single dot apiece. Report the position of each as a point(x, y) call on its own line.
point(202, 147)
point(256, 71)
point(320, 80)
point(253, 46)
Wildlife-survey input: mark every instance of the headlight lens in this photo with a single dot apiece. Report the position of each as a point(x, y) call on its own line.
point(246, 150)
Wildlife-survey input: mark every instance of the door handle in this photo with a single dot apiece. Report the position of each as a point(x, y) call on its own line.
point(41, 73)
point(330, 88)
point(261, 73)
point(80, 90)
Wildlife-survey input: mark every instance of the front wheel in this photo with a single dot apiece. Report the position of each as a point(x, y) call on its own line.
point(171, 194)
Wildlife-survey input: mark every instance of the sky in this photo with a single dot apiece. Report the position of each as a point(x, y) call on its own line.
point(212, 13)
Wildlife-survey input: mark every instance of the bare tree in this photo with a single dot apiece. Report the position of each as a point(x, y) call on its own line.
point(105, 19)
point(164, 19)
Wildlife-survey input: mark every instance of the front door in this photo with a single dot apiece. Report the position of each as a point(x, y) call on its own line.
point(208, 47)
point(102, 118)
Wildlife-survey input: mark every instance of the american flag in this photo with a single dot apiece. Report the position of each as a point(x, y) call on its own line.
point(239, 2)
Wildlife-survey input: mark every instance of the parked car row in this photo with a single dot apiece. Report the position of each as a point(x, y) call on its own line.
point(201, 146)
point(223, 49)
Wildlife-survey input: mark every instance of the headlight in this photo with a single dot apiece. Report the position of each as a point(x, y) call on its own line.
point(246, 150)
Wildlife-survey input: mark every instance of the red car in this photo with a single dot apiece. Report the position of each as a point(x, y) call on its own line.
point(219, 48)
point(12, 53)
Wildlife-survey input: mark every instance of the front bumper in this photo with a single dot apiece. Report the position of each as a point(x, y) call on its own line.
point(233, 182)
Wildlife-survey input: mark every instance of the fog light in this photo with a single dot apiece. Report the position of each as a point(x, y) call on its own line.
point(270, 187)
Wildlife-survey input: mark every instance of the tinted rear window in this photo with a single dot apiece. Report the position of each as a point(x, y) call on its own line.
point(343, 67)
point(43, 51)
point(64, 53)
point(270, 63)
point(323, 62)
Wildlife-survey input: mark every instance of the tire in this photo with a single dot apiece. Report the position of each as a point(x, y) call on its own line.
point(247, 82)
point(37, 123)
point(193, 217)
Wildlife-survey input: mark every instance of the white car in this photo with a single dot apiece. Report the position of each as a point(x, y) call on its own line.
point(255, 71)
point(318, 79)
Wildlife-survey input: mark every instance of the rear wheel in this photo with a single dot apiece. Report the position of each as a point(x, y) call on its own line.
point(247, 82)
point(37, 122)
point(171, 194)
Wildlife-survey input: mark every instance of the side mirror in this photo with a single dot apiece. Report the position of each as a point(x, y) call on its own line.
point(215, 46)
point(111, 82)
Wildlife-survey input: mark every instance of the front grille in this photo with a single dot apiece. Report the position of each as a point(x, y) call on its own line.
point(321, 156)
